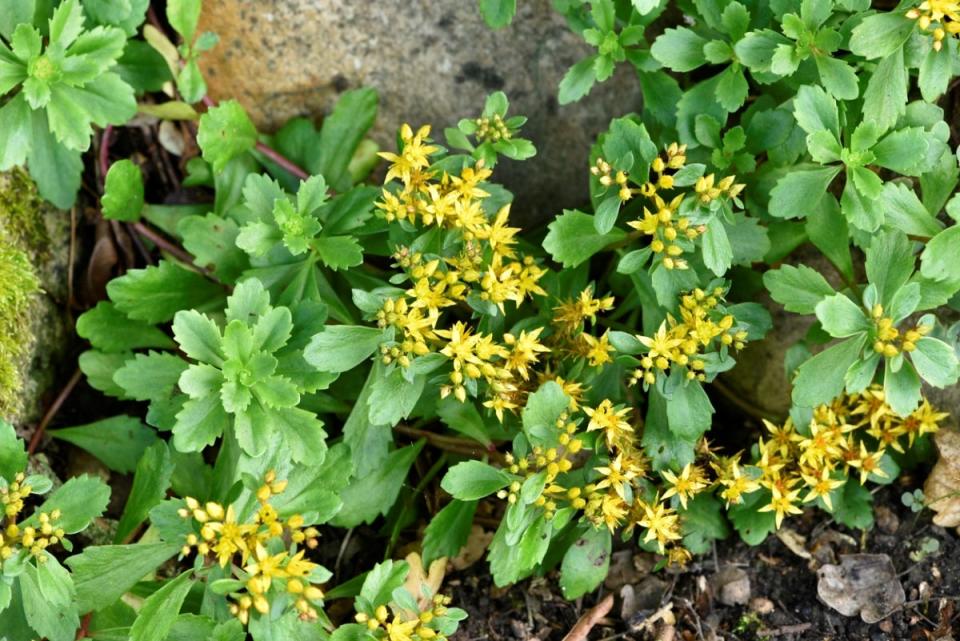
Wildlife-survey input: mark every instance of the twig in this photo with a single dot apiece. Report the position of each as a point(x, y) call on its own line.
point(52, 411)
point(582, 627)
point(784, 630)
point(84, 625)
point(179, 253)
point(450, 443)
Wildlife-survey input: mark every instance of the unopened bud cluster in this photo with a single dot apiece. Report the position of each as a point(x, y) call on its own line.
point(15, 536)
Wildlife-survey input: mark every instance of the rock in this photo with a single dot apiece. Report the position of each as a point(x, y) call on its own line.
point(34, 250)
point(863, 583)
point(942, 487)
point(432, 63)
point(887, 520)
point(732, 585)
point(761, 605)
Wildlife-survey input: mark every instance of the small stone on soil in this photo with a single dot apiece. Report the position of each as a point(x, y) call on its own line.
point(863, 583)
point(732, 586)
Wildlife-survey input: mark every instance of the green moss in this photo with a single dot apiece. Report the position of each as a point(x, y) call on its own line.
point(19, 285)
point(20, 223)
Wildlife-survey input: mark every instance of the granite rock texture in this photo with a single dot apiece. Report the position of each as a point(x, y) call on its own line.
point(432, 61)
point(41, 232)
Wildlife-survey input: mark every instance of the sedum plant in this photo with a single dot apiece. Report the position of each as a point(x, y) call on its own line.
point(313, 351)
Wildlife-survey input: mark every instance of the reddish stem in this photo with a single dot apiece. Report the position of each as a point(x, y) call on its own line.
point(52, 411)
point(284, 163)
point(84, 626)
point(105, 154)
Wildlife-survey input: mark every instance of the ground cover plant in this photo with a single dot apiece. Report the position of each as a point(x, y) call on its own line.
point(329, 330)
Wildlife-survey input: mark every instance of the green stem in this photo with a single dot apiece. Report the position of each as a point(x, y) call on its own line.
point(408, 502)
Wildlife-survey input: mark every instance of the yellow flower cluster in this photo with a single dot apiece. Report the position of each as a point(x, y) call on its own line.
point(682, 342)
point(483, 264)
point(890, 341)
point(848, 437)
point(493, 129)
point(407, 626)
point(942, 15)
point(257, 552)
point(670, 233)
point(14, 536)
point(569, 321)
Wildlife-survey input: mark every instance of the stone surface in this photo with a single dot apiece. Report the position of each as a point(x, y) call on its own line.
point(863, 583)
point(42, 232)
point(432, 62)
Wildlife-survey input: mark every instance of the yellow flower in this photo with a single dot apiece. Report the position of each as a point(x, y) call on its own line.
point(617, 475)
point(597, 350)
point(524, 350)
point(868, 463)
point(611, 420)
point(661, 523)
point(687, 485)
point(821, 485)
point(782, 503)
point(735, 484)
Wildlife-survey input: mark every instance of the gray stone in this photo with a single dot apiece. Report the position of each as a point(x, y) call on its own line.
point(41, 232)
point(863, 583)
point(432, 62)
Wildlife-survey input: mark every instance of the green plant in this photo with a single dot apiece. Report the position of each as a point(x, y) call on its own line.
point(309, 344)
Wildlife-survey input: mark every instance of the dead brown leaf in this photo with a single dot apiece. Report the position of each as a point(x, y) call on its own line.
point(418, 579)
point(473, 551)
point(942, 489)
point(863, 583)
point(581, 629)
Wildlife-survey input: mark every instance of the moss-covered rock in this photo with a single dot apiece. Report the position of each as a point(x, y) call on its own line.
point(34, 262)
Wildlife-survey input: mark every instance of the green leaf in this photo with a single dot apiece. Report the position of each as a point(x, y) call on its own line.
point(717, 252)
point(155, 294)
point(904, 211)
point(367, 498)
point(821, 379)
point(393, 397)
point(577, 82)
point(799, 192)
point(160, 610)
point(827, 229)
point(814, 110)
point(104, 573)
point(99, 368)
point(369, 443)
point(183, 16)
point(732, 88)
point(689, 410)
point(340, 348)
point(889, 263)
point(118, 442)
point(880, 35)
point(123, 192)
point(13, 454)
point(837, 77)
point(885, 98)
point(936, 70)
point(55, 168)
point(679, 49)
point(939, 258)
point(80, 500)
point(498, 13)
point(341, 134)
point(541, 412)
point(606, 214)
point(339, 252)
point(752, 524)
point(110, 330)
point(903, 151)
point(47, 595)
point(380, 583)
point(472, 480)
point(585, 563)
point(225, 133)
point(199, 423)
point(148, 377)
point(853, 505)
point(572, 238)
point(798, 288)
point(841, 317)
point(901, 387)
point(936, 362)
point(150, 485)
point(212, 240)
point(464, 418)
point(190, 82)
point(448, 531)
point(703, 522)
